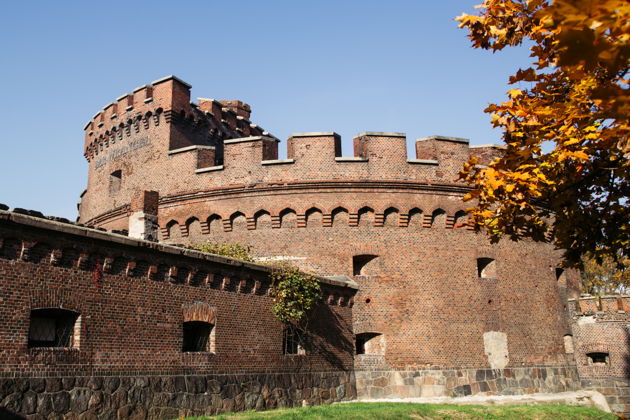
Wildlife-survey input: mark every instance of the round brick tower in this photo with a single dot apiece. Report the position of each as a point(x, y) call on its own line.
point(433, 294)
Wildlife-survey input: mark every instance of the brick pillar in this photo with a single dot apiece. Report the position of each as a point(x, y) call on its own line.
point(143, 220)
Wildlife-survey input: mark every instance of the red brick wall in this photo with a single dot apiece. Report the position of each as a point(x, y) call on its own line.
point(132, 297)
point(319, 210)
point(602, 325)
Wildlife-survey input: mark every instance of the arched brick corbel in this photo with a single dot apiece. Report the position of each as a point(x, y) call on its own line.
point(164, 232)
point(250, 222)
point(82, 262)
point(301, 220)
point(276, 221)
point(353, 219)
point(152, 272)
point(172, 274)
point(108, 264)
point(25, 251)
point(403, 220)
point(56, 256)
point(227, 225)
point(205, 227)
point(130, 271)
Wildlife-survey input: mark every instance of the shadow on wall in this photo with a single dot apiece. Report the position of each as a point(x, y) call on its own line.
point(331, 332)
point(7, 415)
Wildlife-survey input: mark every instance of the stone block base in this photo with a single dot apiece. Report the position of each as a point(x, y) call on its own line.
point(616, 391)
point(426, 383)
point(167, 397)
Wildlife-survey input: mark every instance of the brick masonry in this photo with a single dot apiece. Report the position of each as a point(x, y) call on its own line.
point(602, 325)
point(163, 166)
point(132, 297)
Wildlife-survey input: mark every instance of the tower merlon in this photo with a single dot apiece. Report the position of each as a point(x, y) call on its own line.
point(314, 146)
point(249, 152)
point(381, 145)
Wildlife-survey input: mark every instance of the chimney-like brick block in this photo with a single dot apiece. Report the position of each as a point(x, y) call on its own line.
point(450, 152)
point(239, 108)
point(388, 148)
point(314, 147)
point(485, 153)
point(143, 219)
point(247, 153)
point(206, 157)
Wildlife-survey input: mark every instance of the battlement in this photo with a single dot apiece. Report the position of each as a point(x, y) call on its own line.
point(166, 100)
point(601, 307)
point(155, 138)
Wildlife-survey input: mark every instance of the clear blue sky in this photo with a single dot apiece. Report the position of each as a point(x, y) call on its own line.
point(344, 66)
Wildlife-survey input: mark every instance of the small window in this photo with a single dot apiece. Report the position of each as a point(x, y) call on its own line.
point(115, 180)
point(560, 276)
point(486, 268)
point(198, 337)
point(568, 344)
point(370, 343)
point(292, 342)
point(360, 264)
point(598, 359)
point(52, 327)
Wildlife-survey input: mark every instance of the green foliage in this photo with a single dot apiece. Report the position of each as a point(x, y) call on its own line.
point(294, 293)
point(231, 250)
point(404, 411)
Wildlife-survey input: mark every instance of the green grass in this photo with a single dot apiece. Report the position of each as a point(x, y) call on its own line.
point(400, 411)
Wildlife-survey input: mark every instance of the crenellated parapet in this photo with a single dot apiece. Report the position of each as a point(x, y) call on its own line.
point(167, 101)
point(601, 308)
point(155, 139)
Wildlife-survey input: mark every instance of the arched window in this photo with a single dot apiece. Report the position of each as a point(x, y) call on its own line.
point(198, 337)
point(360, 264)
point(486, 268)
point(560, 276)
point(53, 327)
point(370, 343)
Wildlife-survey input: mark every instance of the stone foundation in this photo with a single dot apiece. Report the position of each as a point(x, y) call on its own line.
point(167, 397)
point(462, 382)
point(616, 391)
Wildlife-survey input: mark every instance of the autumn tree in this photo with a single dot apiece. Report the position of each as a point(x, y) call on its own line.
point(564, 171)
point(605, 277)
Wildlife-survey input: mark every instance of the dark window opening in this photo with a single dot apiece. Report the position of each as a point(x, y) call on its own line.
point(597, 358)
point(197, 336)
point(115, 180)
point(369, 343)
point(486, 268)
point(360, 262)
point(52, 327)
point(560, 277)
point(292, 342)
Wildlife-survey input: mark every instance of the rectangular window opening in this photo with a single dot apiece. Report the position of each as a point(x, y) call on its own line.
point(52, 327)
point(198, 337)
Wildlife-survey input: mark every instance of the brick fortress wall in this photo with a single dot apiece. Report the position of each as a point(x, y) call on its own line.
point(131, 297)
point(421, 298)
point(601, 338)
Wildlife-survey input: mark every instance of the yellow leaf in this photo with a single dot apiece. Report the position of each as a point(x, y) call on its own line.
point(514, 93)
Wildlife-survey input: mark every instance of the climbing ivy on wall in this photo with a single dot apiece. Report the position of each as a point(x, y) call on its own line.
point(294, 292)
point(231, 250)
